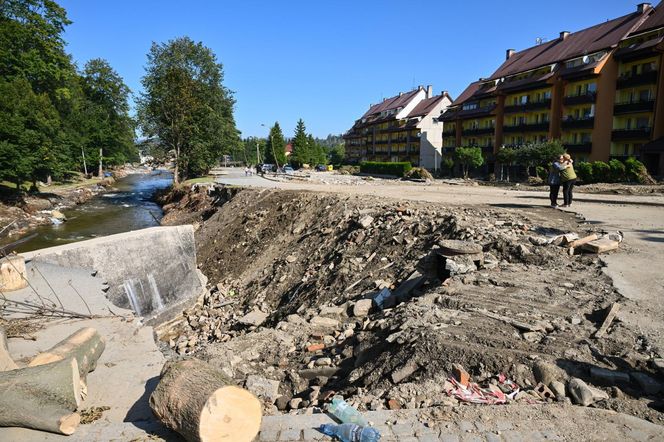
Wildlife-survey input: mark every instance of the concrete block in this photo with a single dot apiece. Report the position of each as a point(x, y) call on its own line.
point(263, 388)
point(12, 273)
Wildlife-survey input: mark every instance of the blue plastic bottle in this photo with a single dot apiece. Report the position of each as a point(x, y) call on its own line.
point(351, 432)
point(346, 413)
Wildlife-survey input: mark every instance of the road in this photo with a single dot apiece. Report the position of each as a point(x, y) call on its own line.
point(637, 271)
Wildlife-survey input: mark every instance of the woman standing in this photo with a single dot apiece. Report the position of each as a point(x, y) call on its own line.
point(554, 180)
point(567, 179)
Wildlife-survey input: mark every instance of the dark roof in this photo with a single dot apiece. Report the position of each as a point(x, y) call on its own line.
point(577, 44)
point(525, 83)
point(391, 103)
point(425, 106)
point(654, 21)
point(638, 48)
point(467, 93)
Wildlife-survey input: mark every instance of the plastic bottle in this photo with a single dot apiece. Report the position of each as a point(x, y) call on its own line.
point(346, 413)
point(351, 432)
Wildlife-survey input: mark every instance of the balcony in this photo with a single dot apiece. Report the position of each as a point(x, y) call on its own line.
point(449, 132)
point(583, 147)
point(478, 131)
point(578, 123)
point(631, 80)
point(631, 134)
point(631, 107)
point(527, 127)
point(531, 105)
point(587, 98)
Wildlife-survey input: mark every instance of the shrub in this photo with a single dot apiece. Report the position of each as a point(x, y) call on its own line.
point(616, 171)
point(419, 173)
point(636, 171)
point(469, 157)
point(585, 172)
point(379, 168)
point(542, 173)
point(601, 172)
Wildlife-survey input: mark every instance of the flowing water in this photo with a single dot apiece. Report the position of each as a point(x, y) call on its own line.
point(128, 206)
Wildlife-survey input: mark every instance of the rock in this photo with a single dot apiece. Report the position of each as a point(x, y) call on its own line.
point(609, 377)
point(315, 347)
point(325, 323)
point(254, 318)
point(264, 388)
point(574, 320)
point(490, 261)
point(523, 250)
point(282, 402)
point(362, 307)
point(331, 311)
point(12, 273)
point(323, 362)
point(533, 337)
point(291, 258)
point(295, 403)
point(404, 372)
point(546, 372)
point(393, 404)
point(295, 319)
point(459, 265)
point(583, 394)
point(647, 384)
point(558, 388)
point(658, 363)
point(366, 221)
point(453, 247)
point(58, 215)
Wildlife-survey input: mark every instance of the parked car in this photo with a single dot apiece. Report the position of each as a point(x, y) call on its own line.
point(268, 168)
point(288, 170)
point(321, 168)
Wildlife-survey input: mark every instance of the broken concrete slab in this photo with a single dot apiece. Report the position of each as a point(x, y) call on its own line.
point(264, 388)
point(601, 245)
point(453, 247)
point(366, 221)
point(406, 288)
point(324, 323)
point(583, 394)
point(253, 318)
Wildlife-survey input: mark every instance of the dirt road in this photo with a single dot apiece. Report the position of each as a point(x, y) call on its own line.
point(637, 272)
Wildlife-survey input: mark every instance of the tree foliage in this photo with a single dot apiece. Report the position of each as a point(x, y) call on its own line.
point(505, 157)
point(275, 149)
point(469, 157)
point(186, 107)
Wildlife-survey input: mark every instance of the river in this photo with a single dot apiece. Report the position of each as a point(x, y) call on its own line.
point(128, 206)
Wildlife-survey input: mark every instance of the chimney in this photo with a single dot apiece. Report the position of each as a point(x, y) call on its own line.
point(564, 35)
point(400, 93)
point(429, 91)
point(509, 53)
point(643, 7)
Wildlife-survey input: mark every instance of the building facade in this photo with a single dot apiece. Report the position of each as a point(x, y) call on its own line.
point(400, 128)
point(599, 90)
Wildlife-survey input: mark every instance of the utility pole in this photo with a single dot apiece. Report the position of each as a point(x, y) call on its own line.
point(258, 154)
point(101, 170)
point(85, 166)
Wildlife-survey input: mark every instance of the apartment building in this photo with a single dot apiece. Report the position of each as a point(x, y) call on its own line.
point(400, 128)
point(599, 90)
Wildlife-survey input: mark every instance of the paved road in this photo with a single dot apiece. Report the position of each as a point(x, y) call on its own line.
point(637, 271)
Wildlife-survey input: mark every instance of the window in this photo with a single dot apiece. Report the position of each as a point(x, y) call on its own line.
point(470, 106)
point(524, 99)
point(644, 95)
point(642, 122)
point(592, 88)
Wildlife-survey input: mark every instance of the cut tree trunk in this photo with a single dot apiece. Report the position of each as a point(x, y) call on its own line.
point(202, 404)
point(42, 398)
point(6, 361)
point(86, 346)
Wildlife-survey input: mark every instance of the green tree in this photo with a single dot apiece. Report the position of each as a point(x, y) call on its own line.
point(186, 107)
point(275, 149)
point(469, 157)
point(337, 154)
point(302, 147)
point(505, 157)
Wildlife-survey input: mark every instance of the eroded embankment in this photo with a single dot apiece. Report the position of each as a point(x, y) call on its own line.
point(299, 262)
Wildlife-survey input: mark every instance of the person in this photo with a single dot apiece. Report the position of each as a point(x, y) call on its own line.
point(246, 170)
point(567, 180)
point(554, 179)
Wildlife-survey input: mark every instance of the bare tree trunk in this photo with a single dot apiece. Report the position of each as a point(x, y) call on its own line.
point(101, 170)
point(176, 172)
point(85, 165)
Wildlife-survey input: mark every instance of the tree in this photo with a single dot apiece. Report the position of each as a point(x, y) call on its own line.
point(275, 150)
point(469, 157)
point(505, 157)
point(317, 154)
point(337, 154)
point(186, 106)
point(301, 145)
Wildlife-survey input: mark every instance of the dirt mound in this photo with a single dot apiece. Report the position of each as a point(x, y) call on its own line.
point(293, 274)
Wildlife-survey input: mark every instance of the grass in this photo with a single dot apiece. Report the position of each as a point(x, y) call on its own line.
point(8, 186)
point(203, 179)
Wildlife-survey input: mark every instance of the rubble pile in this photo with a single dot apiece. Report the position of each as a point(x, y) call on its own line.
point(385, 301)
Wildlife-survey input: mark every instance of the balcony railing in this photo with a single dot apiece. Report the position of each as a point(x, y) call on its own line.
point(531, 105)
point(630, 80)
point(449, 132)
point(578, 123)
point(586, 98)
point(478, 131)
point(528, 127)
point(583, 147)
point(631, 134)
point(630, 107)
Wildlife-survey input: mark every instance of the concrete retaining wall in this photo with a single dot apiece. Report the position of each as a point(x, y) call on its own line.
point(151, 271)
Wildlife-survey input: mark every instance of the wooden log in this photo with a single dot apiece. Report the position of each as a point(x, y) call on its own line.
point(41, 398)
point(86, 346)
point(202, 404)
point(610, 316)
point(600, 245)
point(6, 361)
point(581, 241)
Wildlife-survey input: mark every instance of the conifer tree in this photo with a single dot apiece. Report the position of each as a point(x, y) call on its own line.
point(301, 147)
point(275, 150)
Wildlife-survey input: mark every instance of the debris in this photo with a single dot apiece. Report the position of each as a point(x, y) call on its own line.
point(381, 298)
point(579, 242)
point(345, 412)
point(558, 389)
point(600, 245)
point(414, 281)
point(350, 432)
point(365, 221)
point(547, 373)
point(201, 403)
point(473, 393)
point(315, 347)
point(324, 323)
point(362, 307)
point(267, 389)
point(253, 318)
point(6, 361)
point(544, 392)
point(649, 385)
point(518, 324)
point(583, 394)
point(12, 273)
point(610, 316)
point(89, 415)
point(461, 375)
point(453, 247)
point(404, 372)
point(56, 214)
point(609, 377)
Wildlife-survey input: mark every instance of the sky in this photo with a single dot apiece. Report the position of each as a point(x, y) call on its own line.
point(326, 61)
